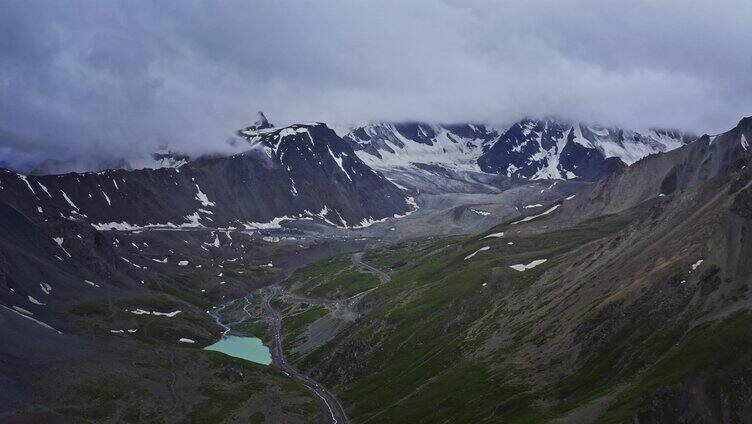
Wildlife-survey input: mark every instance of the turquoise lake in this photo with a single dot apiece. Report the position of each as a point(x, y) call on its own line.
point(248, 348)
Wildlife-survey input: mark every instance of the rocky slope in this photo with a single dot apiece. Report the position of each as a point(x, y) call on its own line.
point(640, 313)
point(665, 174)
point(300, 172)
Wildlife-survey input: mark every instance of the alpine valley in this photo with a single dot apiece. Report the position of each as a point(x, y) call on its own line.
point(389, 272)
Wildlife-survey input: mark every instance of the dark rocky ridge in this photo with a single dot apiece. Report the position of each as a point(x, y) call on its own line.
point(293, 172)
point(668, 173)
point(534, 149)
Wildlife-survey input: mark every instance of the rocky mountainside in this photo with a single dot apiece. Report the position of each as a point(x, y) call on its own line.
point(640, 313)
point(529, 149)
point(299, 172)
point(391, 145)
point(621, 300)
point(666, 174)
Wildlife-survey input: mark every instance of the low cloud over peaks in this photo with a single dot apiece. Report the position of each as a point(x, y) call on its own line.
point(95, 82)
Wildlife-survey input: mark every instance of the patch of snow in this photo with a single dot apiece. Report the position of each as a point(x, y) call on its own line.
point(18, 311)
point(215, 243)
point(192, 221)
point(395, 183)
point(201, 197)
point(184, 340)
point(135, 265)
point(59, 241)
point(182, 263)
point(537, 205)
point(44, 188)
point(495, 235)
point(140, 311)
point(34, 301)
point(339, 161)
point(532, 217)
point(696, 264)
point(24, 179)
point(67, 199)
point(273, 224)
point(482, 249)
point(523, 267)
point(22, 310)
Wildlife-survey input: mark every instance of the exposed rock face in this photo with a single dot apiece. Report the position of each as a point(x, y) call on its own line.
point(303, 171)
point(261, 123)
point(549, 149)
point(386, 145)
point(671, 172)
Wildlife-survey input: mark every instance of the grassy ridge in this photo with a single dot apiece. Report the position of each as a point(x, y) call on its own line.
point(417, 346)
point(333, 278)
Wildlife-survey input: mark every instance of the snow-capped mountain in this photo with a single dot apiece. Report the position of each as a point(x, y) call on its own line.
point(548, 149)
point(529, 149)
point(665, 174)
point(314, 152)
point(261, 124)
point(302, 172)
point(162, 158)
point(391, 145)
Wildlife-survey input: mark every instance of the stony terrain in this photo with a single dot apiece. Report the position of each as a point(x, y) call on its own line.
point(411, 293)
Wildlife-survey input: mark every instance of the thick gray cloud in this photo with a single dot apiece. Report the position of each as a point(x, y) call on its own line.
point(97, 81)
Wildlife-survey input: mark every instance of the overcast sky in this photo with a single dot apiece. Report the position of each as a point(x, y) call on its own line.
point(99, 80)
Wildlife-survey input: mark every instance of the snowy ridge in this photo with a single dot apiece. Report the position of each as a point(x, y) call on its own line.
point(550, 149)
point(528, 149)
point(391, 145)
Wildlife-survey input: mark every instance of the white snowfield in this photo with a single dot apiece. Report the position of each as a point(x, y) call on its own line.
point(448, 149)
point(59, 241)
point(523, 267)
point(532, 217)
point(27, 315)
point(495, 235)
point(482, 249)
point(184, 340)
point(201, 197)
point(140, 311)
point(696, 264)
point(459, 153)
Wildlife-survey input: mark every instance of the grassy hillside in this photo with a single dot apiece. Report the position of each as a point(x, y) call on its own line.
point(614, 324)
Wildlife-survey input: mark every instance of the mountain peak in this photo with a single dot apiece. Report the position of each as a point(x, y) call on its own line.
point(261, 124)
point(261, 121)
point(745, 122)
